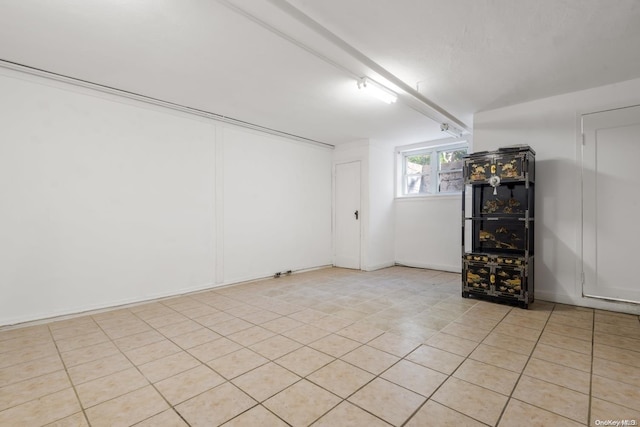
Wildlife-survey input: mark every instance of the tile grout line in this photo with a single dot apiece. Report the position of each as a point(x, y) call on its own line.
point(301, 378)
point(230, 380)
point(346, 399)
point(593, 334)
point(140, 372)
point(375, 376)
point(606, 377)
point(155, 329)
point(199, 360)
point(340, 358)
point(524, 367)
point(196, 358)
point(404, 358)
point(467, 358)
point(28, 378)
point(530, 357)
point(227, 380)
point(454, 371)
point(73, 386)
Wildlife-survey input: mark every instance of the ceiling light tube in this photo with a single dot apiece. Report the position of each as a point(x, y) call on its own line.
point(377, 90)
point(451, 130)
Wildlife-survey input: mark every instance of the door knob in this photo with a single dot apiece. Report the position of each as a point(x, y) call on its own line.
point(356, 214)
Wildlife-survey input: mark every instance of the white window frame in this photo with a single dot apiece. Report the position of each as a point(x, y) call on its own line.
point(434, 148)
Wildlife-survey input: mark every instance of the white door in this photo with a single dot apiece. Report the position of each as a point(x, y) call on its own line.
point(347, 215)
point(611, 204)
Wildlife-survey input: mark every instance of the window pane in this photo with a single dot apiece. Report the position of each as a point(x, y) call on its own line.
point(419, 163)
point(418, 184)
point(418, 173)
point(451, 182)
point(432, 169)
point(451, 159)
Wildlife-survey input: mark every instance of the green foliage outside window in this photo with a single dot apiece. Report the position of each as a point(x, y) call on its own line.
point(452, 156)
point(420, 159)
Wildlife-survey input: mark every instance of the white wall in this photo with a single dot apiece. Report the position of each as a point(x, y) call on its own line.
point(277, 205)
point(428, 229)
point(428, 232)
point(380, 249)
point(551, 127)
point(105, 201)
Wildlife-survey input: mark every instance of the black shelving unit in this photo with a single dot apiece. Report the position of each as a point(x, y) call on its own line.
point(498, 205)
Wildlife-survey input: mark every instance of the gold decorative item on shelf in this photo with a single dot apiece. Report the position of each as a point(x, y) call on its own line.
point(514, 282)
point(485, 235)
point(479, 172)
point(498, 205)
point(509, 170)
point(472, 278)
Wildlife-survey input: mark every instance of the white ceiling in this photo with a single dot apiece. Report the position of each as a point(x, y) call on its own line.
point(291, 66)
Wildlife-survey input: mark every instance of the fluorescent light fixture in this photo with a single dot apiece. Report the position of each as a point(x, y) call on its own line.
point(451, 130)
point(377, 90)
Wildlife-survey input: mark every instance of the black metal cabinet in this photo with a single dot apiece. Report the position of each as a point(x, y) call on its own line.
point(498, 204)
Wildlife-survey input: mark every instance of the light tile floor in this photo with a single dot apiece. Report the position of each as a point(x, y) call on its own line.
point(331, 347)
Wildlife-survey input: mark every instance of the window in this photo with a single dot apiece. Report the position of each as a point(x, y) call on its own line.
point(432, 170)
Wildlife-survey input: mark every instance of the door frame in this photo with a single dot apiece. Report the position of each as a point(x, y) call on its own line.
point(580, 156)
point(333, 216)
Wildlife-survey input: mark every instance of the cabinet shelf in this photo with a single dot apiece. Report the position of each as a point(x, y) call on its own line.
point(498, 203)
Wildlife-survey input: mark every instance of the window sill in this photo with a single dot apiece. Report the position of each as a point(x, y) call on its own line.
point(452, 196)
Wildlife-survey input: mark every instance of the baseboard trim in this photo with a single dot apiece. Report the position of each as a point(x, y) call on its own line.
point(429, 266)
point(619, 307)
point(379, 266)
point(70, 313)
point(37, 319)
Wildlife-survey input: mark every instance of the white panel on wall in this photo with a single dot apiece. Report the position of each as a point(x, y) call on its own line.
point(103, 201)
point(277, 205)
point(428, 232)
point(380, 252)
point(609, 176)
